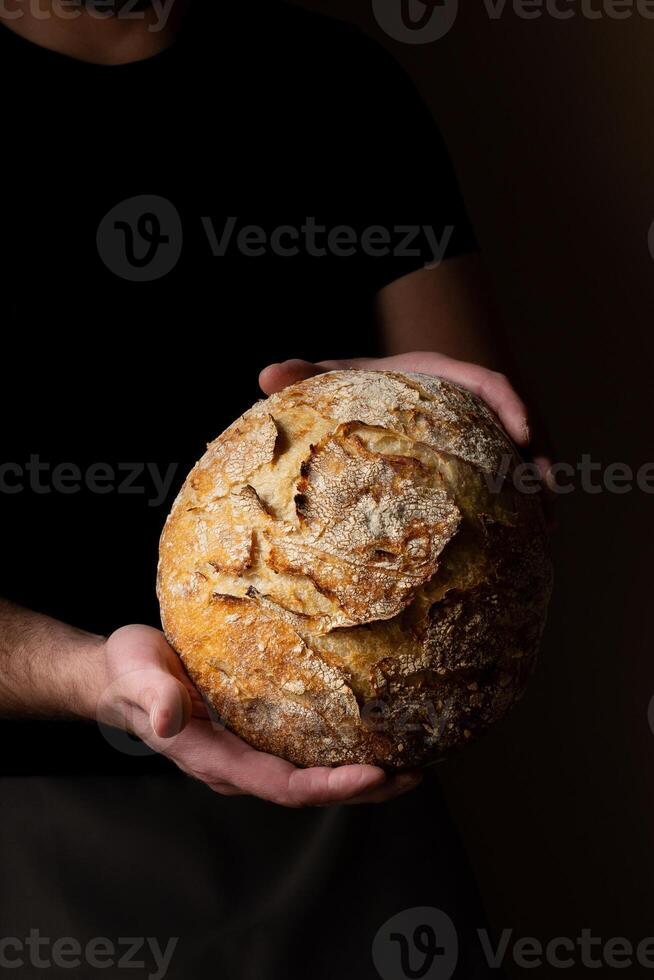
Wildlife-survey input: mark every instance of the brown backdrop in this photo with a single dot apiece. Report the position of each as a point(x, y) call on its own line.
point(550, 127)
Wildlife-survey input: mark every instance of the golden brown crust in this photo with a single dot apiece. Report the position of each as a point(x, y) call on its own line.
point(341, 579)
point(370, 529)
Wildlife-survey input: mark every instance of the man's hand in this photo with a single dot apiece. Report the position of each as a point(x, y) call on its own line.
point(146, 691)
point(136, 682)
point(494, 388)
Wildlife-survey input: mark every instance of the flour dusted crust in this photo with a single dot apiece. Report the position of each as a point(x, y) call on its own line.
point(346, 577)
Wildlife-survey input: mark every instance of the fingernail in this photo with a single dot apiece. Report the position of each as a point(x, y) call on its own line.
point(526, 428)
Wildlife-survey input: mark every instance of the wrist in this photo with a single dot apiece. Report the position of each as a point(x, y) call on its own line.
point(86, 677)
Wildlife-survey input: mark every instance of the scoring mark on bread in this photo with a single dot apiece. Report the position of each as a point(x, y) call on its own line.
point(241, 450)
point(371, 528)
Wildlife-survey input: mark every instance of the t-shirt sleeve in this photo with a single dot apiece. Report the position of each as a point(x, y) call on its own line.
point(418, 201)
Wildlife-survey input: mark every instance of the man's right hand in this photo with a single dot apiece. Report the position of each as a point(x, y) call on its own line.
point(145, 690)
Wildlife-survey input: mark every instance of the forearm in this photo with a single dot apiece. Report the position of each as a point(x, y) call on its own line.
point(47, 669)
point(448, 309)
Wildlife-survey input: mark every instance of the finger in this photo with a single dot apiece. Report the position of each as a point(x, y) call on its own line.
point(275, 377)
point(220, 756)
point(495, 389)
point(226, 789)
point(324, 786)
point(275, 779)
point(394, 787)
point(544, 465)
point(549, 494)
point(198, 704)
point(199, 709)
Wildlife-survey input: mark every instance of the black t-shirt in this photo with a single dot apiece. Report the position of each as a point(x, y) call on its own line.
point(293, 172)
point(168, 228)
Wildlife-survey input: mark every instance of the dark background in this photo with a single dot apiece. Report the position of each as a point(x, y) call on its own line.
point(549, 124)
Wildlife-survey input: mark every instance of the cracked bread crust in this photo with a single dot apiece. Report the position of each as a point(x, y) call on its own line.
point(347, 580)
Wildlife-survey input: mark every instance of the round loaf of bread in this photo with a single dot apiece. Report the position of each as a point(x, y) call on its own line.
point(351, 575)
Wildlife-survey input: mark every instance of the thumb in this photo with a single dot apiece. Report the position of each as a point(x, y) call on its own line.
point(147, 701)
point(171, 709)
point(275, 377)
